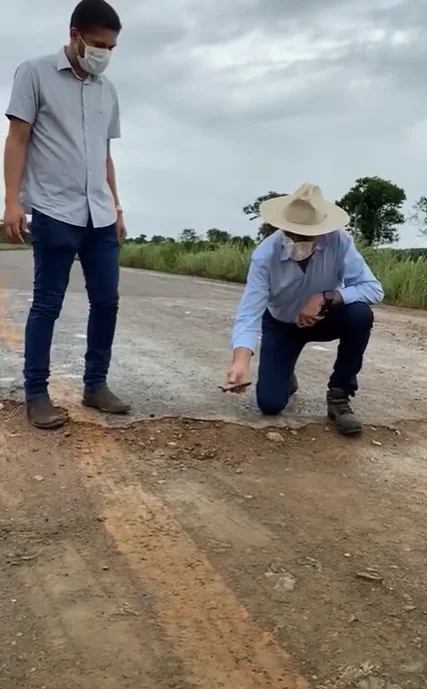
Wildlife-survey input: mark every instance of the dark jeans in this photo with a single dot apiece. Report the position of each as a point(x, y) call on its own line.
point(282, 344)
point(55, 245)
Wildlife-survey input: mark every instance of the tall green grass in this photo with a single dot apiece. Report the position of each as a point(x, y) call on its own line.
point(403, 276)
point(223, 263)
point(404, 279)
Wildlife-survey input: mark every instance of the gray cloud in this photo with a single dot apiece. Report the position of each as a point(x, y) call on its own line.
point(222, 101)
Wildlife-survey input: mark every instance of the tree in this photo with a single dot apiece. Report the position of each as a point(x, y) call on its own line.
point(218, 236)
point(142, 239)
point(374, 206)
point(189, 236)
point(158, 239)
point(252, 210)
point(245, 242)
point(264, 231)
point(419, 214)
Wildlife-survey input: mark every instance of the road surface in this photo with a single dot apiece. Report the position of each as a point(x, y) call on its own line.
point(172, 351)
point(204, 552)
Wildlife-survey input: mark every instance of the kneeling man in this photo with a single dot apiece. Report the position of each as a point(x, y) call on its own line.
point(307, 283)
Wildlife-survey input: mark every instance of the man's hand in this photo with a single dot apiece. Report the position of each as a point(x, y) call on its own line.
point(309, 314)
point(15, 222)
point(121, 228)
point(238, 376)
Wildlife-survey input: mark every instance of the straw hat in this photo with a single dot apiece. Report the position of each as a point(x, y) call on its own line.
point(304, 212)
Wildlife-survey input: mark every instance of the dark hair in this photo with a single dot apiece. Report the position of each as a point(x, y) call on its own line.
point(95, 14)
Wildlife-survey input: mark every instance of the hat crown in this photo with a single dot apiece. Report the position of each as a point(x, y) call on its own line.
point(304, 212)
point(306, 206)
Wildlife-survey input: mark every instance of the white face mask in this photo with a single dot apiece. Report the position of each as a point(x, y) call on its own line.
point(95, 61)
point(299, 251)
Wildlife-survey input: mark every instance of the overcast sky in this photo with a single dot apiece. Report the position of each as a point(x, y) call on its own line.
point(224, 100)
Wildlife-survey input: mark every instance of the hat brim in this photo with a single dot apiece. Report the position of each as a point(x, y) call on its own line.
point(272, 212)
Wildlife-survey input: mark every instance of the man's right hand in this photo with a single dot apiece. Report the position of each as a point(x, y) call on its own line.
point(238, 374)
point(237, 377)
point(15, 222)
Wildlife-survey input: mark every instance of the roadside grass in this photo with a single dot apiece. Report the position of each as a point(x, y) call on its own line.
point(223, 263)
point(13, 247)
point(403, 275)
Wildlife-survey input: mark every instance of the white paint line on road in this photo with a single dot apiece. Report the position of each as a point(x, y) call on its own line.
point(174, 276)
point(152, 273)
point(319, 348)
point(220, 285)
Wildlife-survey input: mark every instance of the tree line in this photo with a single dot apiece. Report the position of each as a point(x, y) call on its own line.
point(375, 207)
point(190, 239)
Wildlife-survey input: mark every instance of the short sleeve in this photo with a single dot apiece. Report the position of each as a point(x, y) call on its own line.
point(24, 100)
point(114, 129)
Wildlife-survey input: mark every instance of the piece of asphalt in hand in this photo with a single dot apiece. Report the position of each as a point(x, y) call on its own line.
point(234, 388)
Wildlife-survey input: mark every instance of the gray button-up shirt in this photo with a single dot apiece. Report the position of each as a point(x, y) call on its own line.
point(72, 122)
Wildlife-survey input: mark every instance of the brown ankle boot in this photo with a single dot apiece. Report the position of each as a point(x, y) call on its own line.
point(42, 414)
point(104, 400)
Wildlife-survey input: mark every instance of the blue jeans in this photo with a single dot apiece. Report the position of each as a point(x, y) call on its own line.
point(282, 344)
point(55, 246)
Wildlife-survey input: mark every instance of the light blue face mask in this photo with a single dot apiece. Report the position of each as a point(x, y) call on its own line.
point(95, 60)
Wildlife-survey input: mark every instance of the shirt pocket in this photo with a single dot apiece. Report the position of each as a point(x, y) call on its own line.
point(101, 120)
point(103, 109)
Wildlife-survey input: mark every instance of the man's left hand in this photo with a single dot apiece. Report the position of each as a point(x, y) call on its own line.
point(310, 313)
point(121, 228)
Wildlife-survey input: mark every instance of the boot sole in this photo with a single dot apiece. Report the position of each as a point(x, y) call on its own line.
point(353, 431)
point(121, 412)
point(48, 426)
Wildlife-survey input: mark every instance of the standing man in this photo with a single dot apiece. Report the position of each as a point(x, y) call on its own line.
point(306, 283)
point(58, 167)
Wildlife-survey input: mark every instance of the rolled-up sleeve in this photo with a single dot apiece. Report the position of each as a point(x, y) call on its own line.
point(255, 298)
point(114, 129)
point(24, 100)
point(360, 284)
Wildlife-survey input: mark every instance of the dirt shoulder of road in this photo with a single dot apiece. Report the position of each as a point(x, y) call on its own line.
point(182, 554)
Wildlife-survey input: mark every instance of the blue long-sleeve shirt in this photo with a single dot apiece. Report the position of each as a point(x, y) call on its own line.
point(278, 283)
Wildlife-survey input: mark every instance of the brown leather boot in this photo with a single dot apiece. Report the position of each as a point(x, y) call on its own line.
point(106, 401)
point(42, 414)
point(341, 413)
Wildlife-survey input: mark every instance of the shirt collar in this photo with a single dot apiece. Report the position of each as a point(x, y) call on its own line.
point(285, 255)
point(62, 61)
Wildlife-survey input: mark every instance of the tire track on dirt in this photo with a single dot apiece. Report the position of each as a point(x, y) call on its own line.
point(210, 630)
point(220, 646)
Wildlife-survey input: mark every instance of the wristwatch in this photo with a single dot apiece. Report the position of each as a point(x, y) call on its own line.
point(329, 298)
